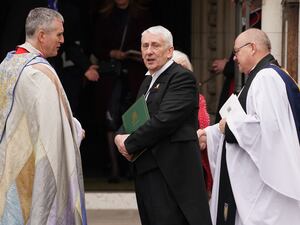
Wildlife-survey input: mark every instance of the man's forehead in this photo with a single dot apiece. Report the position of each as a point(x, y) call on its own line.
point(151, 38)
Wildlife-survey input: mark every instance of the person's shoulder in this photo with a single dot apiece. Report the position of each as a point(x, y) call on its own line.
point(30, 76)
point(268, 73)
point(268, 79)
point(175, 67)
point(39, 75)
point(179, 74)
point(182, 71)
point(31, 84)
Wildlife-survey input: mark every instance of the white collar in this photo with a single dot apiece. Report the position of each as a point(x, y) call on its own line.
point(30, 48)
point(157, 74)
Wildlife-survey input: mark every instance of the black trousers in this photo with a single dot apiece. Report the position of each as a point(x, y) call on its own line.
point(156, 203)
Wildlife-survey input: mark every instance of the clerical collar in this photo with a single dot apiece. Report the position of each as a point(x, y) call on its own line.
point(21, 50)
point(263, 63)
point(259, 66)
point(28, 47)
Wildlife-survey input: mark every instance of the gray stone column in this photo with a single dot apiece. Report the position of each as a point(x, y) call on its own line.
point(272, 25)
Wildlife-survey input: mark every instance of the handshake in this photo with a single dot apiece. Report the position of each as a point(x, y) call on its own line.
point(202, 134)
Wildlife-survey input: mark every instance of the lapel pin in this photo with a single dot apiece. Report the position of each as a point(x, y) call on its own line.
point(157, 86)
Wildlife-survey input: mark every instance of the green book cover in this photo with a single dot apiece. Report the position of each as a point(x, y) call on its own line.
point(136, 115)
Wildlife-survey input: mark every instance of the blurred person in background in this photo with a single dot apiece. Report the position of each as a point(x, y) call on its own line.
point(72, 62)
point(117, 27)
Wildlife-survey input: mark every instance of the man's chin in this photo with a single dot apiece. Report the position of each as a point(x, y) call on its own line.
point(52, 55)
point(151, 67)
point(241, 70)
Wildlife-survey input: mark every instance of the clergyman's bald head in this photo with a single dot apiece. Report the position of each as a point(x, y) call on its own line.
point(250, 47)
point(257, 36)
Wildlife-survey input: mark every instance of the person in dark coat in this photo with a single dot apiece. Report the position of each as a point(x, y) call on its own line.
point(169, 182)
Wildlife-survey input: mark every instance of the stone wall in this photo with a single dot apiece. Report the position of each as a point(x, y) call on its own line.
point(212, 38)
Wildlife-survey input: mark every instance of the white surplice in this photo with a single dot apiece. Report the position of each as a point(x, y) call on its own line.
point(264, 167)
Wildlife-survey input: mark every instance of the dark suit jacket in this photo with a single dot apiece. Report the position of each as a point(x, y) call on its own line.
point(171, 140)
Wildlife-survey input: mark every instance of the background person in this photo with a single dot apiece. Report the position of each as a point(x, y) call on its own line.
point(72, 63)
point(116, 29)
point(40, 170)
point(169, 182)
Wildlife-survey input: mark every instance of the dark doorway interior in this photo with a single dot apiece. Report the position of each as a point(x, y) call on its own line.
point(175, 15)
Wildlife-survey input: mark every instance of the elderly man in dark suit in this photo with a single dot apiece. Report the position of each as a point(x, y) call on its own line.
point(169, 182)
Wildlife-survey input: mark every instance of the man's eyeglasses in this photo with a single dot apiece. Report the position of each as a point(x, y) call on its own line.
point(235, 51)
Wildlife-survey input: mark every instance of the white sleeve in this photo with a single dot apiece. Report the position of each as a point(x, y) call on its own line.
point(214, 139)
point(79, 131)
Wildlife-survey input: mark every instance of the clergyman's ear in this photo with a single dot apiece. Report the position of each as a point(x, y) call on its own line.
point(41, 35)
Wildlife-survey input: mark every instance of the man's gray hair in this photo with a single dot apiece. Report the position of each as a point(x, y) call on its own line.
point(40, 18)
point(166, 34)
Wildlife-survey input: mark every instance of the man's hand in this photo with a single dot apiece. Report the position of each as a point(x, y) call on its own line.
point(92, 73)
point(202, 139)
point(79, 131)
point(218, 65)
point(120, 143)
point(117, 54)
point(222, 124)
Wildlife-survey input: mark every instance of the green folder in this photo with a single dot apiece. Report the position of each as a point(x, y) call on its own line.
point(136, 115)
